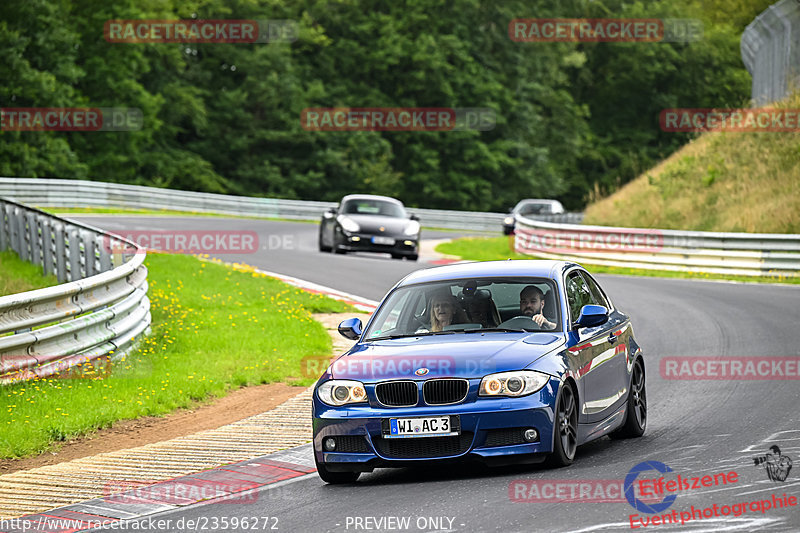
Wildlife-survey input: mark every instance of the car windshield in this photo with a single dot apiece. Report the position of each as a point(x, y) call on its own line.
point(466, 306)
point(373, 207)
point(533, 208)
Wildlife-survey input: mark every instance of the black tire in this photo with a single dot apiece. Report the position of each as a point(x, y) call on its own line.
point(636, 411)
point(413, 257)
point(336, 245)
point(335, 478)
point(565, 428)
point(322, 247)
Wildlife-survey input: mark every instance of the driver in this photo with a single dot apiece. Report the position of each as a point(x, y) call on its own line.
point(531, 303)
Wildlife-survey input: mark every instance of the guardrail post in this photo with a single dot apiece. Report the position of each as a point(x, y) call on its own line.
point(15, 221)
point(37, 238)
point(89, 256)
point(61, 252)
point(47, 246)
point(102, 244)
point(3, 227)
point(74, 253)
point(33, 238)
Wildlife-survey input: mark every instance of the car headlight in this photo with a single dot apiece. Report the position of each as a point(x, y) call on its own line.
point(412, 228)
point(348, 224)
point(517, 383)
point(338, 392)
point(508, 220)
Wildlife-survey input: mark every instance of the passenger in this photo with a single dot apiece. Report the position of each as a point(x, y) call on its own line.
point(445, 311)
point(531, 303)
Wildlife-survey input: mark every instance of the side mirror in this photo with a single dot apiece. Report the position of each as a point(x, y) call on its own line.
point(591, 316)
point(350, 328)
point(414, 217)
point(329, 213)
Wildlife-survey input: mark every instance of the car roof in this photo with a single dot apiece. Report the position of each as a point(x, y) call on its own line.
point(538, 268)
point(370, 197)
point(537, 201)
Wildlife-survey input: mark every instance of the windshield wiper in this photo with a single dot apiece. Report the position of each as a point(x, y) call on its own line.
point(423, 334)
point(504, 330)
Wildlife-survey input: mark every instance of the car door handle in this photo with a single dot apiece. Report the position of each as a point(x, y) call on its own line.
point(612, 338)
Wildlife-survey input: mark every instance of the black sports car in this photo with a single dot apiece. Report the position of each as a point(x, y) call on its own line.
point(367, 223)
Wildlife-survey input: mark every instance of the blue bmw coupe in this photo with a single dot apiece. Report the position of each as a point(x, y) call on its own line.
point(502, 361)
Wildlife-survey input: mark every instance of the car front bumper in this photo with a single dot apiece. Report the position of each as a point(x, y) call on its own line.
point(359, 242)
point(491, 430)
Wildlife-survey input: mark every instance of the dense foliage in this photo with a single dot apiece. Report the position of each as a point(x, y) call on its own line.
point(572, 117)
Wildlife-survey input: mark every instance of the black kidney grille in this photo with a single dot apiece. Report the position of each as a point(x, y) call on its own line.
point(419, 447)
point(397, 393)
point(442, 391)
point(504, 437)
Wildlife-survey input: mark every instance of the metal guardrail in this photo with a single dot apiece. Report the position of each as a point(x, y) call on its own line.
point(771, 51)
point(746, 254)
point(78, 193)
point(97, 314)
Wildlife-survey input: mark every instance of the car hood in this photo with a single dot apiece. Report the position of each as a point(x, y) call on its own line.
point(373, 223)
point(470, 355)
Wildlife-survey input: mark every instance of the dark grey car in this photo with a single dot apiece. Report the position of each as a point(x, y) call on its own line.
point(368, 223)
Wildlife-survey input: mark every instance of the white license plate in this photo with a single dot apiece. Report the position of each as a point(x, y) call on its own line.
point(434, 426)
point(383, 240)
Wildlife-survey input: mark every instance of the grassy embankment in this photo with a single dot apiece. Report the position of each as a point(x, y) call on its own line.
point(215, 328)
point(741, 182)
point(737, 182)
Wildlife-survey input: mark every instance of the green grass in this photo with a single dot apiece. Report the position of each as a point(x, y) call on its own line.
point(215, 328)
point(17, 275)
point(501, 248)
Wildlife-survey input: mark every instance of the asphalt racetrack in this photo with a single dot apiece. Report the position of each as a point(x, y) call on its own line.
point(700, 427)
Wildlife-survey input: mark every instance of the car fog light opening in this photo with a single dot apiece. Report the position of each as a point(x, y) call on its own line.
point(329, 444)
point(530, 435)
point(355, 239)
